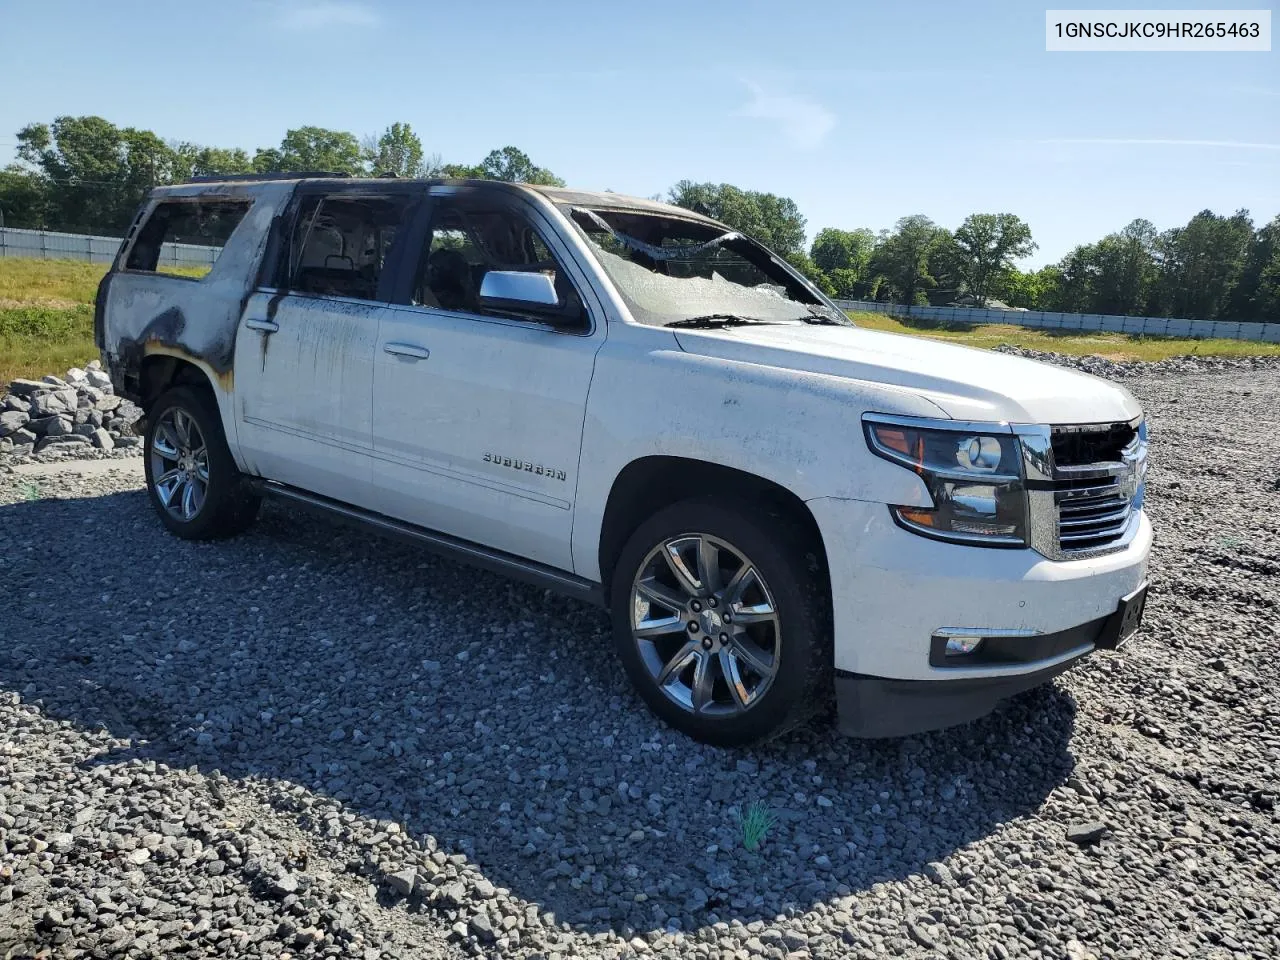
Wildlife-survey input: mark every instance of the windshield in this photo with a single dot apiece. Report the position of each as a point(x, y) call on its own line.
point(675, 271)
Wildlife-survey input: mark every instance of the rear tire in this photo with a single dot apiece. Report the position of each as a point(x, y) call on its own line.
point(192, 479)
point(721, 617)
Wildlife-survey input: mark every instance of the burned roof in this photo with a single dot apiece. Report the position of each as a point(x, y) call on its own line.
point(608, 199)
point(599, 199)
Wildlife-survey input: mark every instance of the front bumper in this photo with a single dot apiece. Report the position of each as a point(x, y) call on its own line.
point(880, 707)
point(893, 591)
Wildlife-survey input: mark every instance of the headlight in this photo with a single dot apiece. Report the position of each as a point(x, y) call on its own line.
point(975, 479)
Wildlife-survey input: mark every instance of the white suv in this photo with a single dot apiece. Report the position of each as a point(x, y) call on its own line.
point(633, 404)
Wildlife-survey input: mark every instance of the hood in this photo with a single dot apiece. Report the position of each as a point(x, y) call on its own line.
point(966, 383)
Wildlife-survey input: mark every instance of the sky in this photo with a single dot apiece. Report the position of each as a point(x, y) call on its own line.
point(861, 112)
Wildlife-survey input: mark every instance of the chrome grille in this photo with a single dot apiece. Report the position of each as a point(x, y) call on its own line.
point(1096, 473)
point(1091, 515)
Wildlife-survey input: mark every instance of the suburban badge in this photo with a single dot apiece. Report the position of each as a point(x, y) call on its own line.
point(528, 466)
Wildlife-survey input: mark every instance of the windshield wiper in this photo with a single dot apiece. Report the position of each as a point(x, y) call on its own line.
point(823, 319)
point(709, 320)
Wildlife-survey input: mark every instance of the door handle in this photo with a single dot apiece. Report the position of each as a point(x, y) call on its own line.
point(410, 351)
point(266, 326)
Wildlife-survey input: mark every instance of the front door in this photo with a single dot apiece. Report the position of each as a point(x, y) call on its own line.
point(478, 412)
point(305, 347)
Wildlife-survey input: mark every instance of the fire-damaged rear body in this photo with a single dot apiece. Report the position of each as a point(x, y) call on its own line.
point(146, 319)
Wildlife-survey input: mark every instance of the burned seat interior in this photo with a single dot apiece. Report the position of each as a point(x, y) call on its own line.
point(340, 243)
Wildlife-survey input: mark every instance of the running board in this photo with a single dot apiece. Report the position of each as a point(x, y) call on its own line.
point(495, 561)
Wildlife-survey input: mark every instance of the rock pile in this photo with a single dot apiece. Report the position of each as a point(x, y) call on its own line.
point(79, 415)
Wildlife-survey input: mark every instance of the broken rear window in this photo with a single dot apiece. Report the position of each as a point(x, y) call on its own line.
point(185, 237)
point(671, 270)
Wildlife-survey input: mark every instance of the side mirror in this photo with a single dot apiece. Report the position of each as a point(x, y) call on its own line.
point(515, 289)
point(529, 292)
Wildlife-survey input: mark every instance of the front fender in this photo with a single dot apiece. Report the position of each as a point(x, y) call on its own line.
point(797, 429)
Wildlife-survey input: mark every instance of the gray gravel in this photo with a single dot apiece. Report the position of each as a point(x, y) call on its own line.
point(305, 742)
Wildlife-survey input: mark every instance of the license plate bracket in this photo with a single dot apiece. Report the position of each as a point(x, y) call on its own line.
point(1125, 622)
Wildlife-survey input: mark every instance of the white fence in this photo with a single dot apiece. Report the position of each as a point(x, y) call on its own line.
point(47, 245)
point(1106, 323)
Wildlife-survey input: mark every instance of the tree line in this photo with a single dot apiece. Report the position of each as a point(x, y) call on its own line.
point(86, 175)
point(1213, 268)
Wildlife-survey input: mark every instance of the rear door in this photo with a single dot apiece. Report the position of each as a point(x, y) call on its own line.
point(478, 413)
point(305, 348)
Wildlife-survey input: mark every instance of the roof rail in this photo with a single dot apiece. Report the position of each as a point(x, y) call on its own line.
point(278, 175)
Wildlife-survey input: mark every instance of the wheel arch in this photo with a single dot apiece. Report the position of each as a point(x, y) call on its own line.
point(648, 484)
point(159, 372)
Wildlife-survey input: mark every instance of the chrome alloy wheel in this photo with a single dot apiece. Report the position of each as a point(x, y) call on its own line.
point(705, 625)
point(179, 464)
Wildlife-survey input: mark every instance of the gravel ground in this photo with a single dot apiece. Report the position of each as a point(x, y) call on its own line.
point(305, 742)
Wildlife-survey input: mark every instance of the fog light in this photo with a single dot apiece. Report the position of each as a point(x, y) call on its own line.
point(962, 646)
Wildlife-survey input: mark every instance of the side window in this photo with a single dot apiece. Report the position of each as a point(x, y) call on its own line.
point(185, 237)
point(339, 243)
point(452, 269)
point(469, 240)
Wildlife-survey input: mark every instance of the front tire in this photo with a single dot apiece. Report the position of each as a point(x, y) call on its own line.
point(192, 479)
point(721, 618)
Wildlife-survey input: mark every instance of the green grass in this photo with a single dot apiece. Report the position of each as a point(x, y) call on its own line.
point(62, 281)
point(38, 340)
point(756, 822)
point(1114, 346)
point(46, 316)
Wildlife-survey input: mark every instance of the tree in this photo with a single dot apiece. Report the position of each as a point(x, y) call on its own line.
point(97, 173)
point(1265, 301)
point(1125, 269)
point(800, 260)
point(946, 266)
point(1257, 294)
point(312, 149)
point(988, 243)
point(1116, 275)
point(1077, 281)
point(398, 152)
point(1202, 263)
point(267, 160)
point(842, 258)
point(84, 174)
point(1032, 290)
point(773, 220)
point(462, 171)
point(902, 258)
point(24, 198)
point(509, 164)
point(196, 161)
point(514, 166)
point(433, 165)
